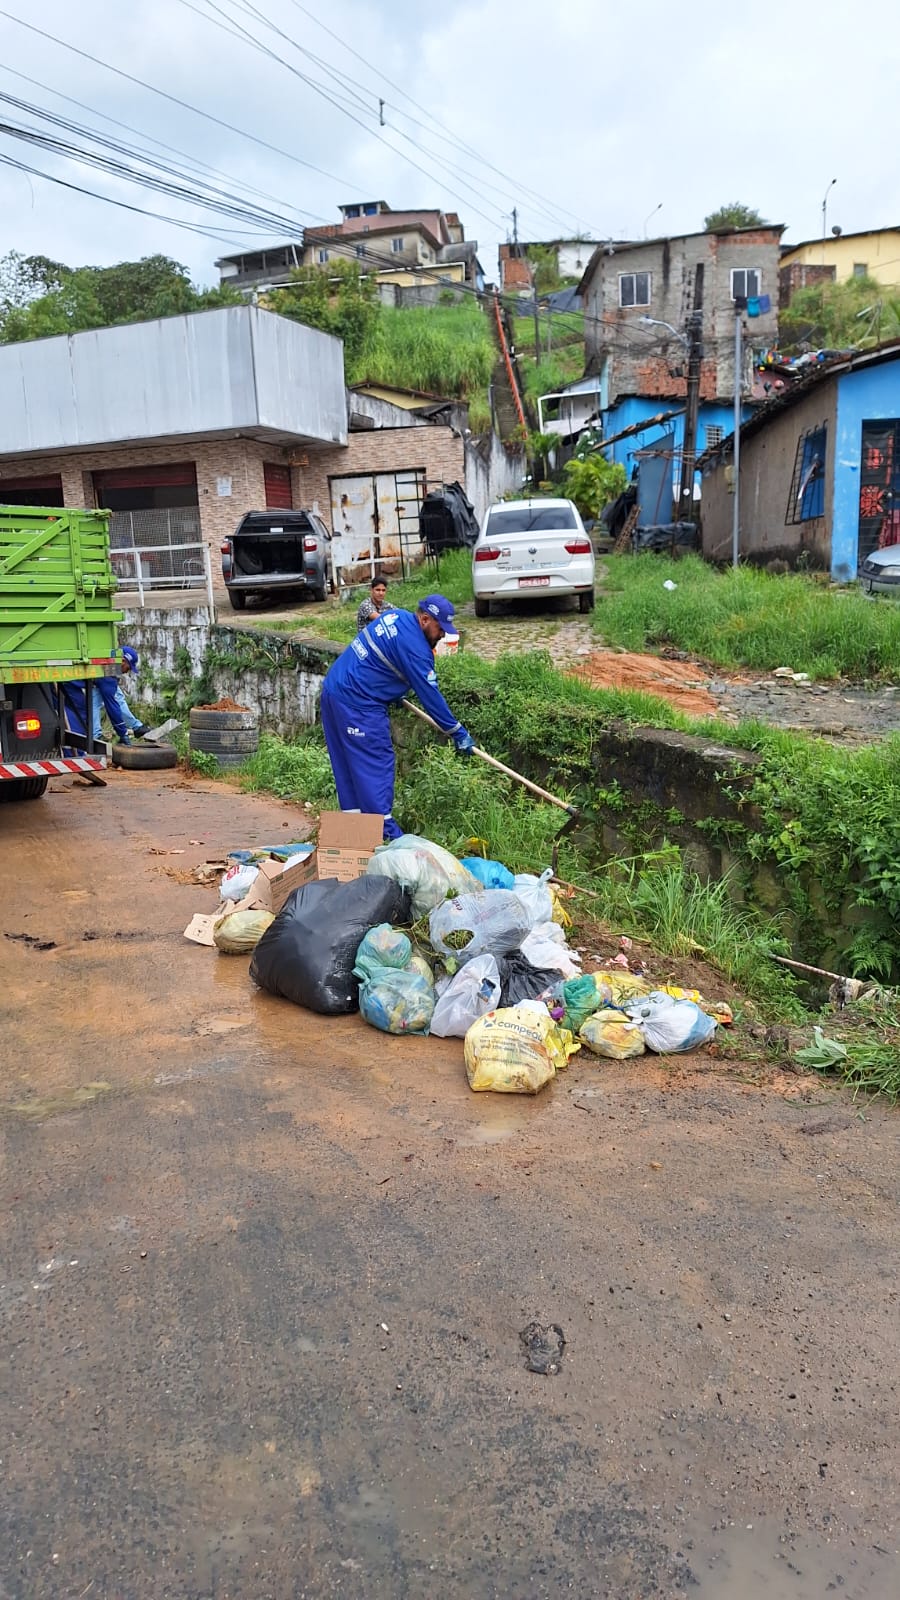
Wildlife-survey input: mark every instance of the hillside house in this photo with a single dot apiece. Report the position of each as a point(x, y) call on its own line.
point(873, 253)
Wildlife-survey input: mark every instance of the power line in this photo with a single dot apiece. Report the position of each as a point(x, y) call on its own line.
point(461, 144)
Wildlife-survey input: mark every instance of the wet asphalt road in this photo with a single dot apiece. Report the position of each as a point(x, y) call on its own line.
point(263, 1277)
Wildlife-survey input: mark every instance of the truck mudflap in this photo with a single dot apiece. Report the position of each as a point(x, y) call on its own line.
point(52, 767)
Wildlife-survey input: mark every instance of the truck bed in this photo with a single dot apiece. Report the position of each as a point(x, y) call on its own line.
point(57, 620)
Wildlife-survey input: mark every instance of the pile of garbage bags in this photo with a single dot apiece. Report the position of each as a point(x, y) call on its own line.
point(425, 943)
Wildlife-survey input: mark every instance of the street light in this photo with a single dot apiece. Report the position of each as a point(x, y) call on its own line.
point(654, 322)
point(651, 216)
point(825, 206)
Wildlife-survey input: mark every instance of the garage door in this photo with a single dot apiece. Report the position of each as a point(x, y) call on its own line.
point(46, 491)
point(279, 496)
point(375, 518)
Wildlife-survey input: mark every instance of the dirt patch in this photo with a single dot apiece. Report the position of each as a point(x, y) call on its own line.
point(225, 704)
point(682, 683)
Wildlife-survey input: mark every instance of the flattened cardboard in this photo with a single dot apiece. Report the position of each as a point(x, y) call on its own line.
point(200, 929)
point(347, 841)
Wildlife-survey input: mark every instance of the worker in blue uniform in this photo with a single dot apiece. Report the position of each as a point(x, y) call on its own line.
point(388, 659)
point(105, 691)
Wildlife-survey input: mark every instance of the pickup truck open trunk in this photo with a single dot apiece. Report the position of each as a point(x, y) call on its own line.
point(275, 550)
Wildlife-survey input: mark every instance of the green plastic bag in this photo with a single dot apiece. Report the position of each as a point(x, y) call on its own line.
point(381, 947)
point(581, 998)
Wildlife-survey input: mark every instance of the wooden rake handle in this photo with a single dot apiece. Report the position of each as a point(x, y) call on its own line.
point(500, 766)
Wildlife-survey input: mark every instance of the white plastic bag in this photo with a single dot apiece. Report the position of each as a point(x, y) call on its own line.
point(669, 1025)
point(546, 946)
point(428, 871)
point(238, 881)
point(495, 922)
point(473, 990)
point(535, 895)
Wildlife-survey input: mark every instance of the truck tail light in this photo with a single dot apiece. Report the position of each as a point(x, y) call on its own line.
point(579, 547)
point(226, 547)
point(27, 724)
point(310, 545)
point(488, 552)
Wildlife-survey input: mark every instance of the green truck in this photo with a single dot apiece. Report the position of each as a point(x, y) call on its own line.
point(57, 626)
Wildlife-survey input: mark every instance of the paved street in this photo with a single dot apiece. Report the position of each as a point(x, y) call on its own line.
point(263, 1277)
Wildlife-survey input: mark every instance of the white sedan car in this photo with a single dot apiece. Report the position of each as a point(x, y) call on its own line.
point(532, 550)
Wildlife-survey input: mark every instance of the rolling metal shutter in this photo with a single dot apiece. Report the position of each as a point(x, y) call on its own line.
point(279, 496)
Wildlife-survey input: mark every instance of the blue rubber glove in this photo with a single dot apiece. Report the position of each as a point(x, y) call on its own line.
point(464, 742)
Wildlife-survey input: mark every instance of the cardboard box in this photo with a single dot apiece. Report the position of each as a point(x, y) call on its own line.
point(347, 841)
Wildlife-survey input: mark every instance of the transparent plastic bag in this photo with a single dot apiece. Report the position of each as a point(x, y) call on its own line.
point(546, 949)
point(238, 880)
point(493, 922)
point(670, 1026)
point(474, 990)
point(536, 896)
point(381, 947)
point(612, 1034)
point(516, 1050)
point(239, 932)
point(429, 872)
point(397, 1002)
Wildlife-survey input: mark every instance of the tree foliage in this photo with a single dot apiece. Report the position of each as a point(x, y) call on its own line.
point(592, 482)
point(734, 214)
point(339, 300)
point(40, 297)
point(839, 316)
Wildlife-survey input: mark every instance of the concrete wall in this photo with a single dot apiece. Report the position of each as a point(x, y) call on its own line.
point(492, 469)
point(236, 370)
point(437, 451)
point(637, 408)
point(870, 394)
point(878, 252)
point(767, 466)
point(640, 356)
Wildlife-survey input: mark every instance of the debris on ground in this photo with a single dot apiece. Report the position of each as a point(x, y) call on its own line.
point(683, 684)
point(543, 1348)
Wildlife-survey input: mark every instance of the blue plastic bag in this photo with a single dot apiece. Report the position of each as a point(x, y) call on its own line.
point(493, 874)
point(397, 1002)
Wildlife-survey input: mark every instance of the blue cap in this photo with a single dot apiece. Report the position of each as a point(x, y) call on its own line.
point(130, 655)
point(439, 607)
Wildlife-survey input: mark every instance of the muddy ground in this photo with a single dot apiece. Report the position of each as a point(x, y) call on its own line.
point(264, 1276)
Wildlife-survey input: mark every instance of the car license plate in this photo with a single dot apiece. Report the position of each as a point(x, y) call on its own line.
point(532, 583)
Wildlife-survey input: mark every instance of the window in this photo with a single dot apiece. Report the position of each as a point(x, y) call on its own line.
point(397, 246)
point(526, 519)
point(714, 435)
point(807, 494)
point(634, 288)
point(351, 211)
point(745, 283)
point(370, 210)
point(323, 257)
point(860, 269)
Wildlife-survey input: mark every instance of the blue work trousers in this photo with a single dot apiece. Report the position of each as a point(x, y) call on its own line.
point(362, 758)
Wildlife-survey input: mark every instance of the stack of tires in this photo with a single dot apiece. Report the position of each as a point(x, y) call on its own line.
point(230, 736)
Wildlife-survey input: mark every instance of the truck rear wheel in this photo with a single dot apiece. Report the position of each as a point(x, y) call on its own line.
point(237, 599)
point(24, 789)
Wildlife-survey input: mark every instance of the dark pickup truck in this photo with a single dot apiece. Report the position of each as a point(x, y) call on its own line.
point(274, 553)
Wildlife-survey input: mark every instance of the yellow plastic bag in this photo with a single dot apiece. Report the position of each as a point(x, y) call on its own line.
point(622, 985)
point(517, 1049)
point(678, 993)
point(612, 1034)
point(239, 932)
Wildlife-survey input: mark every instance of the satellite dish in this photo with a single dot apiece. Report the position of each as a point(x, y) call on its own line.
point(837, 231)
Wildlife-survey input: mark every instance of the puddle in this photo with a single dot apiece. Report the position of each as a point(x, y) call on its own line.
point(759, 1561)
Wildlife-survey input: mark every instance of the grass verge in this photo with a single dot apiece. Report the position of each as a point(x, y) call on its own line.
point(748, 618)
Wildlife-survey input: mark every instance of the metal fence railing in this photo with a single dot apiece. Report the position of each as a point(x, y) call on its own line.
point(147, 569)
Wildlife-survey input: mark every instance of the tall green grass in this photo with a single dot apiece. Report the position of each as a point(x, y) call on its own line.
point(748, 618)
point(443, 350)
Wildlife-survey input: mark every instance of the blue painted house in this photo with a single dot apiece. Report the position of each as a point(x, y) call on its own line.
point(819, 469)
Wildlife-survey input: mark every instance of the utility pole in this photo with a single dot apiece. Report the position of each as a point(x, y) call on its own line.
point(738, 385)
point(692, 406)
point(537, 320)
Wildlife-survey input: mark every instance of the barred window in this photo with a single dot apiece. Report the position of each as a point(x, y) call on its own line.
point(807, 494)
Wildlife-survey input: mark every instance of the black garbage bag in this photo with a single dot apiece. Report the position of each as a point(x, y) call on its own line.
point(307, 954)
point(519, 980)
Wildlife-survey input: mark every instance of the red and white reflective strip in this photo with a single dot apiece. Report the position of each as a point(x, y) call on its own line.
point(43, 769)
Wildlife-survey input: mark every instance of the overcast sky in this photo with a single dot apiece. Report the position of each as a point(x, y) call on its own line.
point(583, 114)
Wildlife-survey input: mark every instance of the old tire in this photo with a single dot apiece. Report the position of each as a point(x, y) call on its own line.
point(144, 757)
point(482, 608)
point(586, 601)
point(23, 789)
point(237, 599)
point(231, 736)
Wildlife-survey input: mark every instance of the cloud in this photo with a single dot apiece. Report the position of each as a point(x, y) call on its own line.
point(583, 116)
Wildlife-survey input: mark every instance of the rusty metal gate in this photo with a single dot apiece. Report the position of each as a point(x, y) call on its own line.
point(375, 521)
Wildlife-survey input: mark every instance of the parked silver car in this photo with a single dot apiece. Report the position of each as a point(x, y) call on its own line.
point(880, 572)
